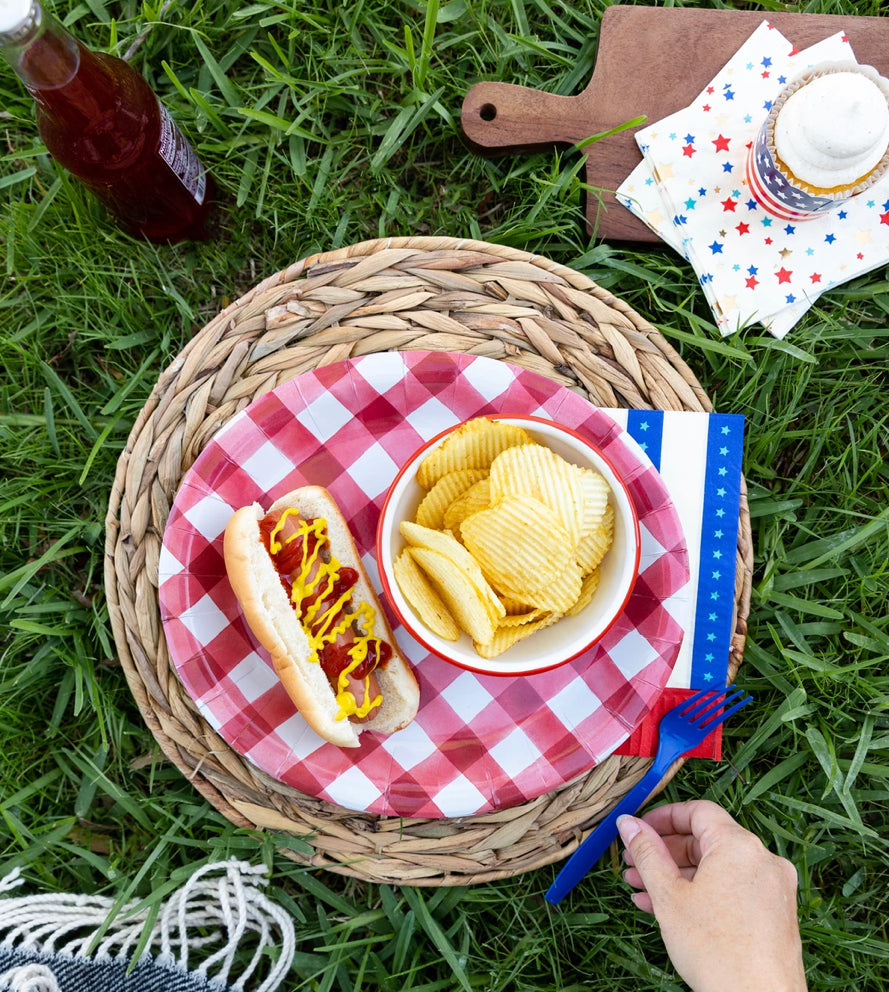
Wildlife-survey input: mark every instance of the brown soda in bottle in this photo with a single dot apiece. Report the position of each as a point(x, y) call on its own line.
point(102, 122)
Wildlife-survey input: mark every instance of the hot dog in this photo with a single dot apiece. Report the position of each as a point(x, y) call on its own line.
point(304, 593)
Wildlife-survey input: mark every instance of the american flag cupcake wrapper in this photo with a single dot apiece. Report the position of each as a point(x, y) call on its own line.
point(779, 197)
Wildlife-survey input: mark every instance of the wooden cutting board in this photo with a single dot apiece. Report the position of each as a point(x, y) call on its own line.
point(652, 61)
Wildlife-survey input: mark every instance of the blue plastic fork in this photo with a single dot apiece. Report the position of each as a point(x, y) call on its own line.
point(680, 731)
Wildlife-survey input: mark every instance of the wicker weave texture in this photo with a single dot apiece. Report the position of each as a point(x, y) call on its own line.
point(394, 294)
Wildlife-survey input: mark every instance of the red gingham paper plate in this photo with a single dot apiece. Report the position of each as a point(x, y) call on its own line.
point(479, 742)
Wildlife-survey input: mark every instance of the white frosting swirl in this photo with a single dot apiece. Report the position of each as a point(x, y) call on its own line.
point(833, 130)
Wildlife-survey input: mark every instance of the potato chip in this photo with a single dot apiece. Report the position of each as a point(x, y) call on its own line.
point(421, 595)
point(474, 444)
point(519, 544)
point(534, 470)
point(447, 545)
point(588, 587)
point(593, 547)
point(458, 592)
point(562, 593)
point(505, 637)
point(514, 607)
point(477, 497)
point(520, 619)
point(595, 499)
point(431, 511)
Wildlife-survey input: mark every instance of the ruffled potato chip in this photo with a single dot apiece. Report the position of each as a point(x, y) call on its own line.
point(421, 595)
point(521, 619)
point(595, 499)
point(448, 546)
point(515, 607)
point(476, 497)
point(431, 511)
point(519, 543)
point(505, 637)
point(562, 593)
point(459, 593)
point(593, 547)
point(474, 444)
point(533, 470)
point(589, 585)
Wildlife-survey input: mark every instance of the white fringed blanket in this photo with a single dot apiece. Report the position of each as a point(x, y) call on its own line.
point(219, 932)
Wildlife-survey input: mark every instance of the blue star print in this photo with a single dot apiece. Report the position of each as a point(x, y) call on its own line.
point(715, 247)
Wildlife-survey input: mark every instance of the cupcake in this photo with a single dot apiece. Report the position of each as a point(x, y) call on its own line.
point(826, 139)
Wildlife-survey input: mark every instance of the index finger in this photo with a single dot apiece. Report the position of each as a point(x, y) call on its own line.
point(694, 817)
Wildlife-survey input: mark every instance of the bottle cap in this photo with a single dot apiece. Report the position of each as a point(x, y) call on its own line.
point(17, 18)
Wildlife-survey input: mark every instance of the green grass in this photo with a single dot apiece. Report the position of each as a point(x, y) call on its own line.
point(326, 125)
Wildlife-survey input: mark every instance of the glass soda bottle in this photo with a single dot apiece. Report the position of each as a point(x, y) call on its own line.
point(102, 122)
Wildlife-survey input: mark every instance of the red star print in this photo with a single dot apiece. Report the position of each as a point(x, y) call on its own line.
point(884, 218)
point(688, 150)
point(815, 277)
point(706, 107)
point(765, 75)
point(721, 143)
point(749, 145)
point(783, 275)
point(767, 241)
point(859, 256)
point(728, 204)
point(752, 282)
point(845, 39)
point(709, 89)
point(743, 228)
point(794, 50)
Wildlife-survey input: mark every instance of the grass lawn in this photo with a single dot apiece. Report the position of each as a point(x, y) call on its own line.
point(325, 125)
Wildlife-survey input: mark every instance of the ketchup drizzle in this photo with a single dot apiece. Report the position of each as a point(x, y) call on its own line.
point(334, 657)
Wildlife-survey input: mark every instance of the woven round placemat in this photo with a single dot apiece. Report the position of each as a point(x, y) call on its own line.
point(393, 294)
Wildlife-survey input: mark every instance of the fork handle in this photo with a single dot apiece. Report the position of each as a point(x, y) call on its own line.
point(589, 852)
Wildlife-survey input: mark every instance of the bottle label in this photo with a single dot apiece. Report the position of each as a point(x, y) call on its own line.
point(176, 151)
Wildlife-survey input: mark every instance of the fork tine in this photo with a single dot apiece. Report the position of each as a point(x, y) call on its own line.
point(706, 710)
point(718, 718)
point(702, 702)
point(705, 696)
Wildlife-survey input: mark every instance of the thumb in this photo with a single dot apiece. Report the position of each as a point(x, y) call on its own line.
point(651, 858)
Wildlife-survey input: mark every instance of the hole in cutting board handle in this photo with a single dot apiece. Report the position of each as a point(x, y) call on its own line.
point(487, 112)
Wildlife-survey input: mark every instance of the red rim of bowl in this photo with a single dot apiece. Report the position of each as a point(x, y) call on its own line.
point(411, 628)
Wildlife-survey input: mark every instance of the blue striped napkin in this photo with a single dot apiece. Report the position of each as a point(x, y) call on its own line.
point(699, 456)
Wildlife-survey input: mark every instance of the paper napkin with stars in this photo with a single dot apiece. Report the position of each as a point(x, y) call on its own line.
point(699, 457)
point(692, 191)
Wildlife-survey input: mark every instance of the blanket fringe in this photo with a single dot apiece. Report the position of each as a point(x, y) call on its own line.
point(218, 912)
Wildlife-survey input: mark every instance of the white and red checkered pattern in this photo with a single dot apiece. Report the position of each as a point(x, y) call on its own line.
point(479, 743)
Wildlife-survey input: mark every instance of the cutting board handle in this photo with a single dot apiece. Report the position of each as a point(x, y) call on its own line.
point(503, 116)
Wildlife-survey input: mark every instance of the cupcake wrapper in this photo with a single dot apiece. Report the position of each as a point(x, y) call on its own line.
point(775, 194)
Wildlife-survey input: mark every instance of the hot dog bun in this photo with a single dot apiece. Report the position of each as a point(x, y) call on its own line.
point(271, 617)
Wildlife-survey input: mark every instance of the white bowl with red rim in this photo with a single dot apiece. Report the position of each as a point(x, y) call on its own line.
point(564, 640)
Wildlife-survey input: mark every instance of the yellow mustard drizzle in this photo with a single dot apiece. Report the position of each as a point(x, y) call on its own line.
point(321, 628)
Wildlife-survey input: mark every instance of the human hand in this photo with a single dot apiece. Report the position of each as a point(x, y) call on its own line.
point(726, 906)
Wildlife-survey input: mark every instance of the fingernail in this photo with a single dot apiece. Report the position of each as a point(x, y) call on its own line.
point(627, 827)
